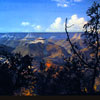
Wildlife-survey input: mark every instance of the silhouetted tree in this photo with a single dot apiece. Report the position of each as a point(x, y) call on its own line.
point(91, 40)
point(24, 72)
point(92, 29)
point(6, 82)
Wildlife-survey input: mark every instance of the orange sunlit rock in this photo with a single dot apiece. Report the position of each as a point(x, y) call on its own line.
point(35, 70)
point(27, 93)
point(86, 90)
point(97, 84)
point(48, 64)
point(95, 87)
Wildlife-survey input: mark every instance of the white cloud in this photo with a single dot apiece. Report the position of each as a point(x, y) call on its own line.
point(77, 0)
point(78, 23)
point(32, 27)
point(65, 3)
point(37, 27)
point(56, 26)
point(59, 26)
point(61, 3)
point(25, 23)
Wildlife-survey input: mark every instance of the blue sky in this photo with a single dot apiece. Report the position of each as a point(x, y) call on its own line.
point(42, 15)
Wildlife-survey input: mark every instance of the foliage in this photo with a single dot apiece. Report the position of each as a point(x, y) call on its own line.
point(91, 41)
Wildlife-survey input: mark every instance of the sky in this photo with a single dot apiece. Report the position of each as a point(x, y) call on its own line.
point(43, 15)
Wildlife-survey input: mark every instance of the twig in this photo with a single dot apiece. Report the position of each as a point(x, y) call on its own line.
point(72, 44)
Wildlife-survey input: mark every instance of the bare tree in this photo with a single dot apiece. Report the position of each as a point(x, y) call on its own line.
point(72, 45)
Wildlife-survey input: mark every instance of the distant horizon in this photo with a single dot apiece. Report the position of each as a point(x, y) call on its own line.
point(39, 32)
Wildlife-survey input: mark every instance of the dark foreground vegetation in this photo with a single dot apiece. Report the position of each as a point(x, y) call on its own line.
point(76, 77)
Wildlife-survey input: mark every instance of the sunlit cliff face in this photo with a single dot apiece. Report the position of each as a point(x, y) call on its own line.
point(48, 64)
point(27, 92)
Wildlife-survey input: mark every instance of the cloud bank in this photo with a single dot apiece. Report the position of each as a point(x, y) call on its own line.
point(25, 23)
point(61, 3)
point(65, 3)
point(56, 26)
point(37, 28)
point(59, 26)
point(31, 26)
point(77, 0)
